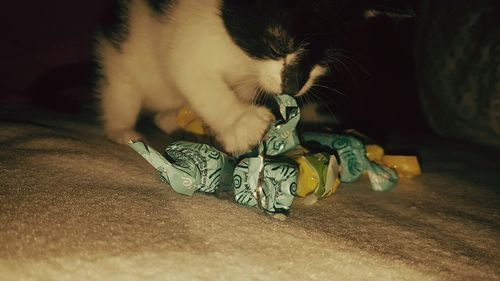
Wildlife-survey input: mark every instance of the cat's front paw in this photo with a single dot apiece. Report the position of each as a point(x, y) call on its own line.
point(247, 130)
point(166, 121)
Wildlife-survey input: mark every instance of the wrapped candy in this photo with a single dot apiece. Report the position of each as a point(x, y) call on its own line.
point(318, 176)
point(267, 183)
point(277, 170)
point(190, 167)
point(190, 122)
point(406, 166)
point(374, 153)
point(282, 135)
point(353, 159)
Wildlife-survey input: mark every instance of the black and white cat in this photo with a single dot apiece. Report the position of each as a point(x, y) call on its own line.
point(215, 56)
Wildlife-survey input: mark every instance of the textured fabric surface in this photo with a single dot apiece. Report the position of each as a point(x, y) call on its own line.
point(74, 206)
point(458, 58)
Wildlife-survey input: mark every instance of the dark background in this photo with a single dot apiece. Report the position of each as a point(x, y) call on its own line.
point(45, 45)
point(38, 36)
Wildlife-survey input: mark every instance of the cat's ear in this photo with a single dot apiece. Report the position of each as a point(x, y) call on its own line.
point(394, 9)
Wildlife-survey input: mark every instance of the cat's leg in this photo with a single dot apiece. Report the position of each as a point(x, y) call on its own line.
point(247, 128)
point(121, 106)
point(246, 92)
point(166, 121)
point(237, 125)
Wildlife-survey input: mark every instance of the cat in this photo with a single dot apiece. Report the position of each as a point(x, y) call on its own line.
point(218, 57)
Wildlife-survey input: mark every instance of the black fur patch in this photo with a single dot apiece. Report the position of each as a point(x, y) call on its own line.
point(273, 29)
point(295, 76)
point(160, 7)
point(96, 73)
point(114, 25)
point(317, 24)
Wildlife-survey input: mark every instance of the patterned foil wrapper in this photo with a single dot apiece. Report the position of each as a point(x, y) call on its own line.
point(381, 177)
point(282, 135)
point(267, 183)
point(353, 159)
point(190, 167)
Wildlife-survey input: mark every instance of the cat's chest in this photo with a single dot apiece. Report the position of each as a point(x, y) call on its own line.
point(166, 99)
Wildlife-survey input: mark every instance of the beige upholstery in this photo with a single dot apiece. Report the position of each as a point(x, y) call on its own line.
point(74, 206)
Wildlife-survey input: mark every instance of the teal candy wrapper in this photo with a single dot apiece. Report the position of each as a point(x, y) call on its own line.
point(353, 160)
point(266, 183)
point(282, 135)
point(190, 167)
point(381, 177)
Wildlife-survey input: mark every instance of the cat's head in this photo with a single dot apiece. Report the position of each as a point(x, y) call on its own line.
point(292, 41)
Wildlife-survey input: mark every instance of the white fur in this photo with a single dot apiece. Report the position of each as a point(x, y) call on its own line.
point(186, 58)
point(270, 75)
point(316, 72)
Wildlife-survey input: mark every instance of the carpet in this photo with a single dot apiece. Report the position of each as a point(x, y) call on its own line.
point(74, 206)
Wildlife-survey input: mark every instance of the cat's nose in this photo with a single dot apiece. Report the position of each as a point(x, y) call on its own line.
point(292, 80)
point(290, 89)
point(290, 84)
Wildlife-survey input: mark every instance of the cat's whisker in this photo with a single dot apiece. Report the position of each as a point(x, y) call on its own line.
point(256, 96)
point(244, 83)
point(346, 68)
point(348, 52)
point(357, 64)
point(332, 89)
point(321, 94)
point(242, 86)
point(308, 99)
point(330, 71)
point(329, 105)
point(261, 96)
point(313, 100)
point(316, 96)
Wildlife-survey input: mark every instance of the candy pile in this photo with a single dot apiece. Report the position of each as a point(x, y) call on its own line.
point(282, 167)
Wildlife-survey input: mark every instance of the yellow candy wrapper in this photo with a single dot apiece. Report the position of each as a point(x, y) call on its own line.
point(318, 176)
point(405, 166)
point(190, 122)
point(374, 153)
